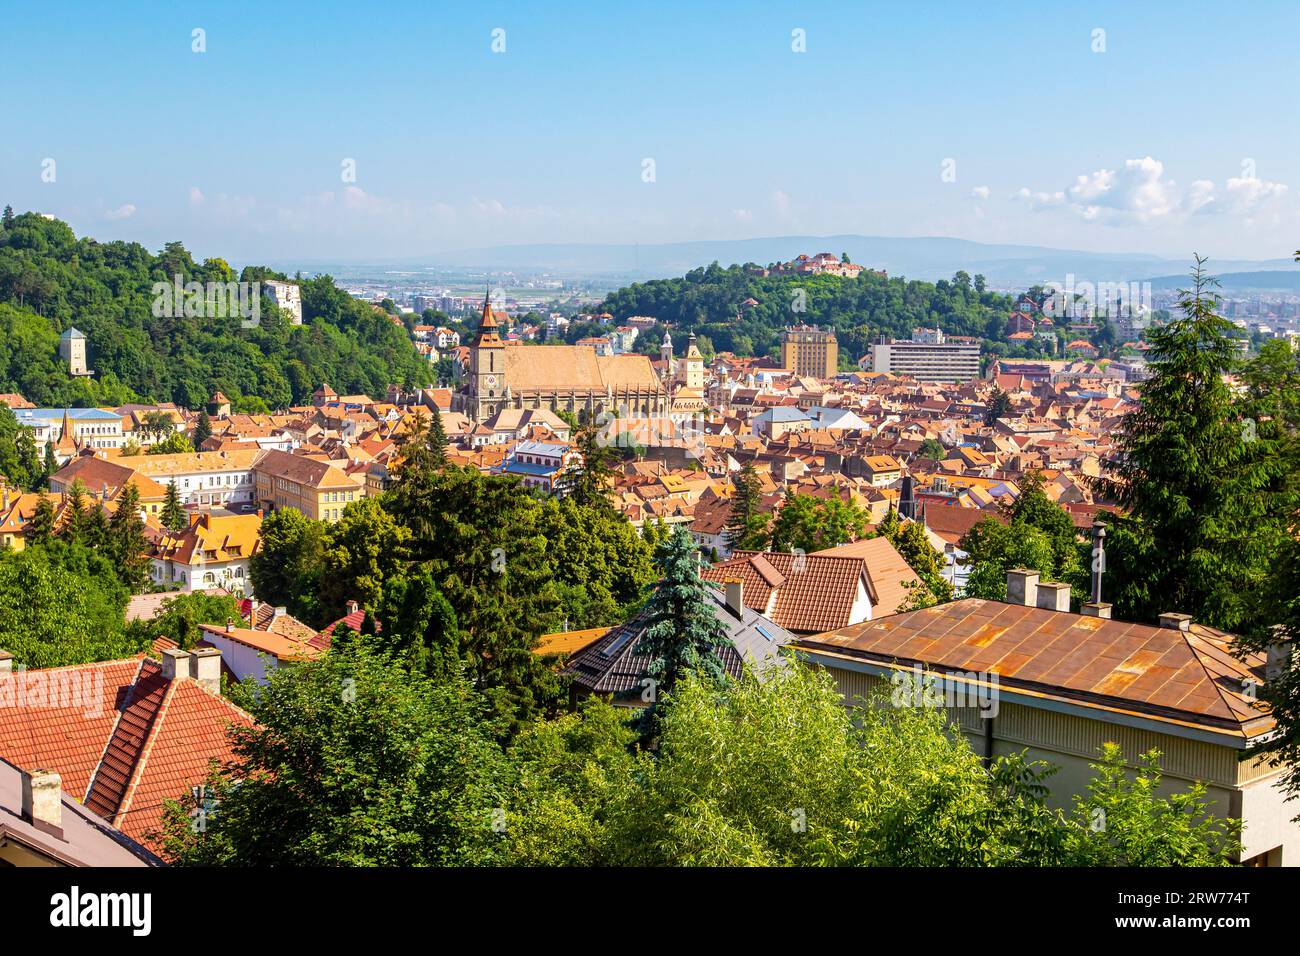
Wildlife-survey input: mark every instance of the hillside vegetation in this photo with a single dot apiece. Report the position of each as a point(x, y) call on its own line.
point(51, 280)
point(709, 301)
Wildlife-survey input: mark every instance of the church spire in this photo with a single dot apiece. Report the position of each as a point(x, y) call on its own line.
point(487, 327)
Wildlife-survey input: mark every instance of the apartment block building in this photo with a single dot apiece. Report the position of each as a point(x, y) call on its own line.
point(928, 357)
point(810, 351)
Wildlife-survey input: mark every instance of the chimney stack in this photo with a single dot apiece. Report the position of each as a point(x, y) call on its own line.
point(175, 663)
point(42, 801)
point(1022, 587)
point(6, 662)
point(230, 625)
point(1095, 609)
point(736, 597)
point(1054, 596)
point(352, 607)
point(1176, 622)
point(205, 668)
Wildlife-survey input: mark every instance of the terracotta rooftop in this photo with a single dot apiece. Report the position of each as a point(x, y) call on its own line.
point(801, 593)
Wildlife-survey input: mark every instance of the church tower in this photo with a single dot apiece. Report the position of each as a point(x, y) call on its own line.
point(666, 352)
point(692, 374)
point(487, 365)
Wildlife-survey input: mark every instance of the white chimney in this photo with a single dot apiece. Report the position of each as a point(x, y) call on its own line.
point(42, 801)
point(205, 668)
point(736, 597)
point(6, 662)
point(1022, 587)
point(1176, 622)
point(352, 607)
point(1095, 609)
point(175, 663)
point(1053, 596)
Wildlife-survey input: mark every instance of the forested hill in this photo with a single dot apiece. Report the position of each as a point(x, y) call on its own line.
point(50, 281)
point(708, 300)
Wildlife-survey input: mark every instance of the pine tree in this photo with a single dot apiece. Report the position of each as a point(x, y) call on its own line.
point(51, 463)
point(94, 529)
point(1203, 487)
point(74, 512)
point(437, 441)
point(682, 632)
point(127, 541)
point(746, 527)
point(40, 529)
point(202, 428)
point(173, 513)
point(999, 406)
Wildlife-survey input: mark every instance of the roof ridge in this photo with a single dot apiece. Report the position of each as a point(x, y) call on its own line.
point(146, 749)
point(133, 754)
point(90, 784)
point(1187, 637)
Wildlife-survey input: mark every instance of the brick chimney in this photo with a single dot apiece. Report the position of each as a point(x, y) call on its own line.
point(736, 597)
point(1176, 622)
point(175, 663)
point(42, 801)
point(1022, 587)
point(1053, 596)
point(205, 668)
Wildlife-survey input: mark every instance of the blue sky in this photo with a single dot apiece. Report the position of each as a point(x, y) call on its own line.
point(1180, 136)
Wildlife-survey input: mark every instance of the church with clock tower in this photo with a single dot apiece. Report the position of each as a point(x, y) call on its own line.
point(505, 374)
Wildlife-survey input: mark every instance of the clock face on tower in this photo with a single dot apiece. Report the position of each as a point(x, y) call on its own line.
point(490, 381)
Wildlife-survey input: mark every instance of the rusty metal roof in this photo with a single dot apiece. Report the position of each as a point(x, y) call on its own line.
point(1190, 676)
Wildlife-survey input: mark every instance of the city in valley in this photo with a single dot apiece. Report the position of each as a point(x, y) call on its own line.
point(442, 487)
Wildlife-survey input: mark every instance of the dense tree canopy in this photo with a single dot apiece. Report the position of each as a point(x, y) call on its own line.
point(708, 301)
point(50, 281)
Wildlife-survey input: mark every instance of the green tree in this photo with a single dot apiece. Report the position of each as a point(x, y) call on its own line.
point(202, 428)
point(286, 570)
point(998, 406)
point(681, 633)
point(746, 527)
point(173, 444)
point(353, 761)
point(40, 529)
point(932, 449)
point(128, 544)
point(173, 512)
point(1205, 493)
point(1122, 822)
point(53, 613)
point(362, 550)
point(589, 482)
point(180, 616)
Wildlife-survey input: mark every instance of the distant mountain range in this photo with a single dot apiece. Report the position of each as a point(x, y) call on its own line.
point(1005, 266)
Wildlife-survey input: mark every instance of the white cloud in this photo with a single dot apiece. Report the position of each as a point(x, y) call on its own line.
point(981, 192)
point(1140, 193)
point(781, 200)
point(124, 211)
point(1245, 195)
point(196, 196)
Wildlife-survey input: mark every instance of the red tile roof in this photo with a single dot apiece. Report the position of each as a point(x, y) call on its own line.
point(137, 741)
point(802, 593)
